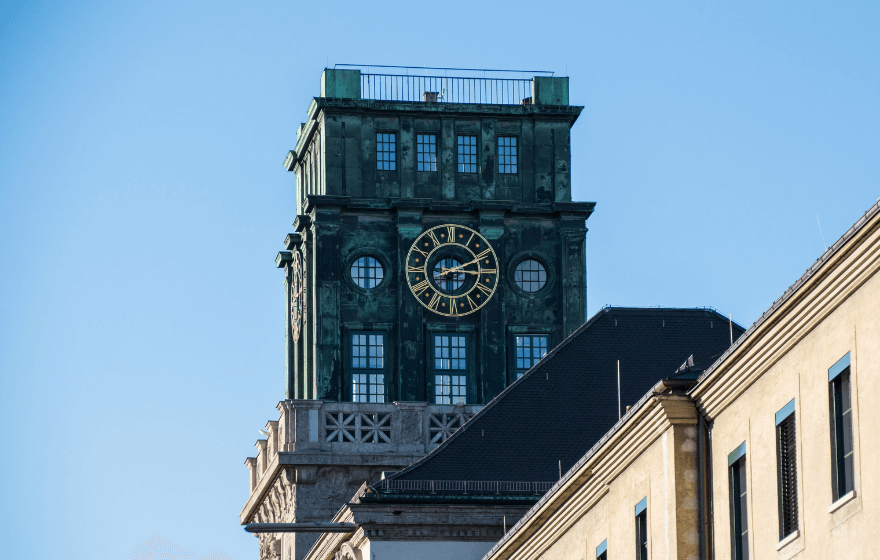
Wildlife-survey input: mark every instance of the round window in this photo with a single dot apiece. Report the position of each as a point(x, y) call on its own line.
point(367, 272)
point(530, 275)
point(447, 275)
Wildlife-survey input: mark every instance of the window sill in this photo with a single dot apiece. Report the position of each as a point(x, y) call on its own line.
point(788, 540)
point(842, 501)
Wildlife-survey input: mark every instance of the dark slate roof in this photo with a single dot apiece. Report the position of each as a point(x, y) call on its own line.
point(568, 401)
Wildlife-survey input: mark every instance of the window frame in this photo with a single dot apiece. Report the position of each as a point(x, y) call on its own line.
point(841, 428)
point(458, 153)
point(367, 370)
point(544, 261)
point(346, 393)
point(641, 532)
point(382, 258)
point(517, 371)
point(468, 353)
point(436, 144)
point(786, 471)
point(739, 511)
point(499, 166)
point(393, 151)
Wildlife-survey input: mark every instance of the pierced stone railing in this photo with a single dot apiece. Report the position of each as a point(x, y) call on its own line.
point(341, 428)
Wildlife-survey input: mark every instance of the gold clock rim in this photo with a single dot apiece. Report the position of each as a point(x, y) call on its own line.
point(431, 252)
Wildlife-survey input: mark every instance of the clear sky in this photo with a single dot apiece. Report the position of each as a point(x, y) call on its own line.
point(142, 202)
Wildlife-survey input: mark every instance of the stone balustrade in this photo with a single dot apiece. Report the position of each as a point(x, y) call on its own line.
point(319, 430)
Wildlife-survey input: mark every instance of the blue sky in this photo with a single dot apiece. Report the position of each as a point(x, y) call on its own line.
point(142, 201)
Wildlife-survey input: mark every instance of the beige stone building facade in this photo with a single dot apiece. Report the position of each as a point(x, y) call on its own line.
point(771, 454)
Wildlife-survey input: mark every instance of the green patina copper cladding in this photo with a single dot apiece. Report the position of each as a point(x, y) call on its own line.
point(550, 91)
point(347, 208)
point(345, 84)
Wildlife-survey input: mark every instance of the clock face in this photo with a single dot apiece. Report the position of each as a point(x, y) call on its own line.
point(452, 270)
point(296, 295)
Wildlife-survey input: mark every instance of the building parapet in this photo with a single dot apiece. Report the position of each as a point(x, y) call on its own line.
point(465, 86)
point(313, 431)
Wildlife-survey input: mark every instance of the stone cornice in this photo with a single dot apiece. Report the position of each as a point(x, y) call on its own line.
point(590, 479)
point(837, 275)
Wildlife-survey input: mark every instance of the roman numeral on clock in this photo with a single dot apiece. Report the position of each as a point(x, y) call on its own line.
point(485, 289)
point(484, 253)
point(435, 301)
point(414, 269)
point(453, 310)
point(433, 238)
point(419, 288)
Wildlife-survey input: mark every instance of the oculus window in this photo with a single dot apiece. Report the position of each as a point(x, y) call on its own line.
point(450, 368)
point(529, 350)
point(530, 275)
point(386, 151)
point(426, 152)
point(368, 367)
point(467, 154)
point(367, 272)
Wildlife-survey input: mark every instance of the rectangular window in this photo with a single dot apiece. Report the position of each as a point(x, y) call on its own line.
point(841, 428)
point(368, 367)
point(450, 368)
point(507, 154)
point(529, 349)
point(426, 152)
point(467, 154)
point(739, 525)
point(386, 151)
point(642, 530)
point(602, 551)
point(786, 471)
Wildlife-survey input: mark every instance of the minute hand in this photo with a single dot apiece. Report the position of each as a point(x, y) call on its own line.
point(455, 268)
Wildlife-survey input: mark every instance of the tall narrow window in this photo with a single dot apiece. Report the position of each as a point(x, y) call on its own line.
point(529, 350)
point(367, 367)
point(642, 530)
point(386, 151)
point(739, 525)
point(450, 368)
point(426, 152)
point(507, 154)
point(786, 469)
point(841, 428)
point(602, 551)
point(467, 154)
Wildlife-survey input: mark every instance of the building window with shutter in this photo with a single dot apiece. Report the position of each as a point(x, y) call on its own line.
point(739, 525)
point(786, 470)
point(642, 530)
point(840, 405)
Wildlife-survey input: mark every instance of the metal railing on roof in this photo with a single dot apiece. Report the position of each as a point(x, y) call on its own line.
point(478, 487)
point(469, 86)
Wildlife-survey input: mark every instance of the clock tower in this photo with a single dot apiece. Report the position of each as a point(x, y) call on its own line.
point(436, 255)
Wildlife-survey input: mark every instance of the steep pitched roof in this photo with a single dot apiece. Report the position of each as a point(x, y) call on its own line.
point(567, 401)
